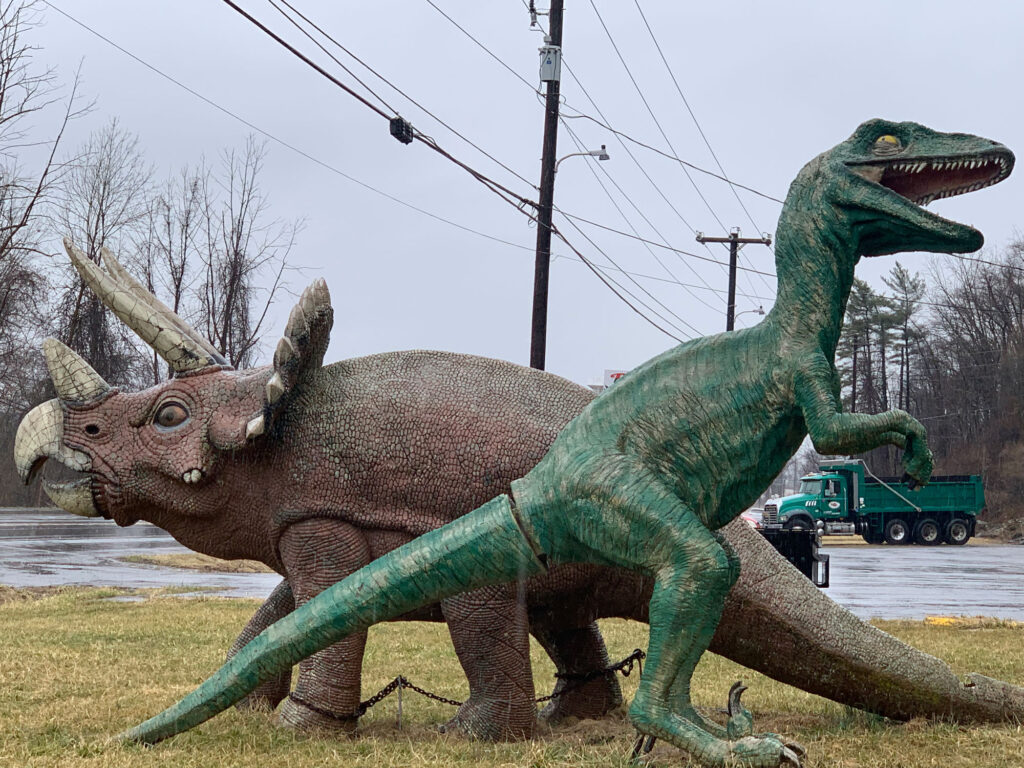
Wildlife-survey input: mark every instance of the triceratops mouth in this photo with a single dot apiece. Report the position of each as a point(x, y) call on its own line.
point(40, 437)
point(74, 496)
point(924, 179)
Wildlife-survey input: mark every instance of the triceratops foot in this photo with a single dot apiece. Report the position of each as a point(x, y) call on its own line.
point(492, 720)
point(304, 716)
point(591, 700)
point(767, 751)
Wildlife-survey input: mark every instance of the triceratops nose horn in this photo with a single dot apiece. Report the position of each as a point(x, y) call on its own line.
point(73, 378)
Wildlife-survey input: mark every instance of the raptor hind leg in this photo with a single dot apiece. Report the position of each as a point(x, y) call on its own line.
point(630, 519)
point(577, 651)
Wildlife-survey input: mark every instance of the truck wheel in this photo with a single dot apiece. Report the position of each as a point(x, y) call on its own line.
point(958, 531)
point(871, 537)
point(798, 524)
point(897, 531)
point(928, 533)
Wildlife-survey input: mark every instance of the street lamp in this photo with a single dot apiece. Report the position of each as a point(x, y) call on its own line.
point(758, 311)
point(600, 154)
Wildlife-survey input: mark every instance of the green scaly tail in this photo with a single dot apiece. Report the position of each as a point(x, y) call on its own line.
point(487, 546)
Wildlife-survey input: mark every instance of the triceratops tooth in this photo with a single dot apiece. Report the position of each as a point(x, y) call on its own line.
point(275, 388)
point(284, 353)
point(255, 427)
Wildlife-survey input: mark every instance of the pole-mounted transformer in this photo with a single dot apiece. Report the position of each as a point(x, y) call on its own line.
point(550, 63)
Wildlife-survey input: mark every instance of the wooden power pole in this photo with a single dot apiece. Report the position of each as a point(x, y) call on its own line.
point(735, 241)
point(550, 72)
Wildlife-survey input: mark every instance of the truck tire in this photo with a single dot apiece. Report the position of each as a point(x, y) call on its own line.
point(958, 531)
point(871, 537)
point(897, 531)
point(928, 533)
point(799, 524)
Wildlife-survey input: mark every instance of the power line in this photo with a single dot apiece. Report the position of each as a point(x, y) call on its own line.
point(700, 130)
point(579, 145)
point(330, 55)
point(276, 139)
point(608, 281)
point(656, 278)
point(500, 190)
point(484, 48)
point(650, 111)
point(659, 245)
point(400, 92)
point(657, 123)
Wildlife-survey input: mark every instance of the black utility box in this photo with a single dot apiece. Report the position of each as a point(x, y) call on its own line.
point(801, 549)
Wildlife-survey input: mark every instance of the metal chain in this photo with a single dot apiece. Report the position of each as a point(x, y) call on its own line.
point(575, 680)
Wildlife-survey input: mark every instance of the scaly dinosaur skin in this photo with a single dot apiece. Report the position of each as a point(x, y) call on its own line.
point(645, 476)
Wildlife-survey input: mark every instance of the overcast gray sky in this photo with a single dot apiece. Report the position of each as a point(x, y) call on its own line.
point(772, 85)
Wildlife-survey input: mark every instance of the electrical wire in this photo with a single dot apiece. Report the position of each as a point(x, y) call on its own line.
point(700, 130)
point(276, 139)
point(402, 93)
point(609, 282)
point(625, 218)
point(506, 194)
point(641, 287)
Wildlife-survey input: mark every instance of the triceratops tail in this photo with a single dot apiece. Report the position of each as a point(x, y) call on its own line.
point(487, 546)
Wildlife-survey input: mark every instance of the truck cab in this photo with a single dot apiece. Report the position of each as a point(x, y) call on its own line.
point(829, 497)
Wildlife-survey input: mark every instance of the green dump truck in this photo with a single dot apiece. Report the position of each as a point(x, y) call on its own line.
point(846, 498)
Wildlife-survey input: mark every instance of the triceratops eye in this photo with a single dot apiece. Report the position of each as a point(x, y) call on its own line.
point(170, 415)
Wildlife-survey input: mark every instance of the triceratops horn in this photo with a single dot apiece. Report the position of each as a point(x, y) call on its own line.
point(120, 274)
point(164, 331)
point(73, 378)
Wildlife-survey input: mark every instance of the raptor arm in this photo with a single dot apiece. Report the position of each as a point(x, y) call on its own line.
point(835, 432)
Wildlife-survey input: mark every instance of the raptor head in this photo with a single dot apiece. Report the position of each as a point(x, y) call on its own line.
point(884, 175)
point(156, 454)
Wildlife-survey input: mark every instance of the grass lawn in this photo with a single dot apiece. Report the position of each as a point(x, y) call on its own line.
point(77, 668)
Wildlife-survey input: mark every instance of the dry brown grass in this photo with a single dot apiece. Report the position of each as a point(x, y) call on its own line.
point(194, 561)
point(76, 668)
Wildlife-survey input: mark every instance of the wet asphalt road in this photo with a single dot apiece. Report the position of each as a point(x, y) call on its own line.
point(40, 548)
point(49, 547)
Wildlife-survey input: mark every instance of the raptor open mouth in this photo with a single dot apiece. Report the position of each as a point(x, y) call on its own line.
point(922, 180)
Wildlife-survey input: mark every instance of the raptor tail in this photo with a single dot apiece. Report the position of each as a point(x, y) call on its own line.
point(487, 546)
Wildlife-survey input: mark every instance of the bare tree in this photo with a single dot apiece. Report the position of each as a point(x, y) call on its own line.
point(165, 251)
point(33, 117)
point(104, 198)
point(239, 246)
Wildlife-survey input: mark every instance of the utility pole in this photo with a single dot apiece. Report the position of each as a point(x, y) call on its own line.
point(550, 72)
point(735, 241)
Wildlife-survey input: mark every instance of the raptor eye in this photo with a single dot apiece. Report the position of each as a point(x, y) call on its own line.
point(887, 145)
point(170, 415)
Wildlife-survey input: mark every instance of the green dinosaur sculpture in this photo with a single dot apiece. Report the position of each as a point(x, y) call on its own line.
point(649, 471)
